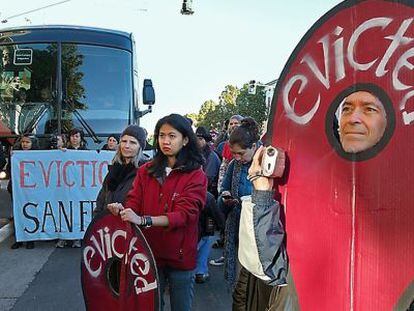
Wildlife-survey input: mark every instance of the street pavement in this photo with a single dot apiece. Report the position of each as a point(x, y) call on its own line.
point(46, 278)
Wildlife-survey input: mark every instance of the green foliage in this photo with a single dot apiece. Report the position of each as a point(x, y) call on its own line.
point(232, 101)
point(192, 116)
point(72, 62)
point(252, 105)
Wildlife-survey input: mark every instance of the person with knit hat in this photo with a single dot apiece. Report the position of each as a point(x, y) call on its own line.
point(122, 171)
point(111, 142)
point(139, 133)
point(212, 161)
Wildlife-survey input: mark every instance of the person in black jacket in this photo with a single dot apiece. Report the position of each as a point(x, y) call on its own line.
point(121, 173)
point(211, 218)
point(26, 142)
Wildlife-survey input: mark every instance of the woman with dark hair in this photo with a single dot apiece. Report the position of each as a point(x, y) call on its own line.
point(243, 141)
point(166, 198)
point(76, 139)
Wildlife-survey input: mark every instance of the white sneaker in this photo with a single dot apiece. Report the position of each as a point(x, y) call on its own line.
point(76, 244)
point(217, 262)
point(60, 244)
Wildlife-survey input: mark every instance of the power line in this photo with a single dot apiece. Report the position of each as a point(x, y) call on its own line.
point(34, 10)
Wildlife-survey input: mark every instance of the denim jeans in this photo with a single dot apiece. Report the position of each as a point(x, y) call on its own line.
point(203, 251)
point(181, 287)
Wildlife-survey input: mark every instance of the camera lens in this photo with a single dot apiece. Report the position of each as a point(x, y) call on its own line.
point(270, 152)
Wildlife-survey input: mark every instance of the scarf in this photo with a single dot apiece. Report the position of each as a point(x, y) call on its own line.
point(116, 174)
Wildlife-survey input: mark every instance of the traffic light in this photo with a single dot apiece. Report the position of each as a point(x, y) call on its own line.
point(252, 87)
point(187, 8)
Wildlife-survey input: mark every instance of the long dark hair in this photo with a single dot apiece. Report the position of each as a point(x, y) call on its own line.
point(189, 158)
point(246, 134)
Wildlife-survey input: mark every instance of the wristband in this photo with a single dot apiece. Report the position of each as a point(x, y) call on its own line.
point(148, 221)
point(142, 221)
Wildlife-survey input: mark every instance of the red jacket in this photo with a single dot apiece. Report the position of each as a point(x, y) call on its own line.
point(226, 154)
point(181, 198)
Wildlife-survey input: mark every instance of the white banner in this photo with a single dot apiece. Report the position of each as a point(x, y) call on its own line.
point(54, 192)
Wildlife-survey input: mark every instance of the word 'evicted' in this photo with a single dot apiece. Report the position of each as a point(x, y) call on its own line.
point(104, 245)
point(346, 54)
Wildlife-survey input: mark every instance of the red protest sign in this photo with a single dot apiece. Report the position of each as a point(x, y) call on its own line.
point(343, 111)
point(118, 269)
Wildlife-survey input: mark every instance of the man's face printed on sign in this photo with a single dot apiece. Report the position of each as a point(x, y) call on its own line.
point(362, 122)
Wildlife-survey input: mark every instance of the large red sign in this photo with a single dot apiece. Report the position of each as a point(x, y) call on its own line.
point(349, 209)
point(118, 269)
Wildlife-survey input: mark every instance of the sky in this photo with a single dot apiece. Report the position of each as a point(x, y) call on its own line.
point(190, 58)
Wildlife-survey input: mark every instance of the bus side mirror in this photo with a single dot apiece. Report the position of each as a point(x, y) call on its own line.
point(148, 94)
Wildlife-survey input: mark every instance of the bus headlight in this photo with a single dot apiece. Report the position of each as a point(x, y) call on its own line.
point(3, 175)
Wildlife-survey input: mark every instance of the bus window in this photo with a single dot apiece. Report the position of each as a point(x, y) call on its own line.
point(97, 85)
point(26, 88)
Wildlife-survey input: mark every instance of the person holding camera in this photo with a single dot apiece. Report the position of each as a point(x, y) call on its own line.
point(263, 279)
point(57, 141)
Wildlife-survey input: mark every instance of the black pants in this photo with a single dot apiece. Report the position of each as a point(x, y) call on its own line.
point(253, 294)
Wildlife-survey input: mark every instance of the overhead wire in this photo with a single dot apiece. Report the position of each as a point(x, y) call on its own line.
point(34, 10)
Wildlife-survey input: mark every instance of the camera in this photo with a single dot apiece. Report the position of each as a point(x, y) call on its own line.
point(53, 142)
point(273, 162)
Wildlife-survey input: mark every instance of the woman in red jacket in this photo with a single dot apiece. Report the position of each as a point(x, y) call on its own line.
point(167, 196)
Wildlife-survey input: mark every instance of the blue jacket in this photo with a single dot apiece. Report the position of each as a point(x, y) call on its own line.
point(245, 186)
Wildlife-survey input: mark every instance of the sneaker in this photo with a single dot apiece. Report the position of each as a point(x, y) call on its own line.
point(16, 245)
point(60, 244)
point(201, 278)
point(76, 244)
point(30, 245)
point(217, 262)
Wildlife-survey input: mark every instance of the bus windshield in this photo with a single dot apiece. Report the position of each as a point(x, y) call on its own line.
point(96, 88)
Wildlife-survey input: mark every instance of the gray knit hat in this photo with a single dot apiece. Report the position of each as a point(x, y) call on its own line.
point(137, 132)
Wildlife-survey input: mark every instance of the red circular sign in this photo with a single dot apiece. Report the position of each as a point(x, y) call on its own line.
point(349, 215)
point(118, 269)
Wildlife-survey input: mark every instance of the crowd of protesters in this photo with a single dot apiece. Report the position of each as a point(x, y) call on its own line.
point(193, 186)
